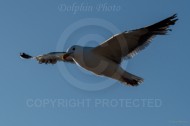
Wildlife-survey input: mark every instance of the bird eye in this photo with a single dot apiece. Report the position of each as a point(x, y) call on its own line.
point(73, 49)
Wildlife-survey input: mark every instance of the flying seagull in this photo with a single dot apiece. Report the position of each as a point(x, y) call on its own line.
point(105, 59)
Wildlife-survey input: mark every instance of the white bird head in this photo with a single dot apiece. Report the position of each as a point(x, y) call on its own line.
point(73, 51)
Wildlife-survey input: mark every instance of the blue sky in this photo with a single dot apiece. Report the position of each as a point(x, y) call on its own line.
point(31, 94)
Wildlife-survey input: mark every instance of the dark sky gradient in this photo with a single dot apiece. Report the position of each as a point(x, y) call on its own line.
point(28, 90)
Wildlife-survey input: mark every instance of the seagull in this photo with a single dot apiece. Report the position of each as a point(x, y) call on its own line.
point(105, 59)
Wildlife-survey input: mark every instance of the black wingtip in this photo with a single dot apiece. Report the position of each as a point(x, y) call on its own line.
point(25, 56)
point(175, 15)
point(162, 27)
point(174, 18)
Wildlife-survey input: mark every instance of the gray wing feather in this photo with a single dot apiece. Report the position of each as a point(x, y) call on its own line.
point(128, 44)
point(50, 58)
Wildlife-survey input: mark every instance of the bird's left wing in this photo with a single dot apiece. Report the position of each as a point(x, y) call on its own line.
point(127, 44)
point(50, 58)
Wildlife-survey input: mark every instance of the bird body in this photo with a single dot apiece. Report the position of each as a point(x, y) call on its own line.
point(101, 65)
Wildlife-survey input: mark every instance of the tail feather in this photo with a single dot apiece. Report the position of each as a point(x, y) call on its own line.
point(131, 79)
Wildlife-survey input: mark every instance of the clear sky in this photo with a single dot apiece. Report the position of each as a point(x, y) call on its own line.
point(66, 95)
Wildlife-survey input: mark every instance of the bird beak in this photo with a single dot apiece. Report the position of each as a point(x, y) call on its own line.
point(66, 55)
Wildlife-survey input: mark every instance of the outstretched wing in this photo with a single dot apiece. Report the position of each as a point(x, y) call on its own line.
point(50, 58)
point(127, 44)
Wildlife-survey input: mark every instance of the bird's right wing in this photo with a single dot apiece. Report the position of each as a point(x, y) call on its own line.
point(50, 58)
point(127, 44)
